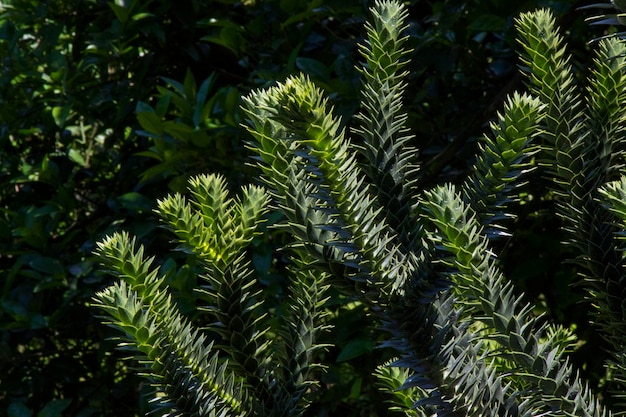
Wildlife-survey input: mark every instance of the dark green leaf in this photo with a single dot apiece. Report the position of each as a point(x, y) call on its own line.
point(18, 409)
point(135, 202)
point(488, 23)
point(54, 408)
point(314, 68)
point(151, 122)
point(47, 265)
point(355, 348)
point(189, 86)
point(60, 114)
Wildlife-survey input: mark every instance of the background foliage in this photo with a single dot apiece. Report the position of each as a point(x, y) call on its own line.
point(107, 106)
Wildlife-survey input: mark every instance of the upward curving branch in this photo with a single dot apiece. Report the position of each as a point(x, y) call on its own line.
point(390, 159)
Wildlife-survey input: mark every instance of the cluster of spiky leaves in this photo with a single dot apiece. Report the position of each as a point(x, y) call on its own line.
point(295, 117)
point(467, 343)
point(503, 157)
point(586, 148)
point(492, 324)
point(551, 78)
point(390, 159)
point(613, 197)
point(176, 356)
point(244, 370)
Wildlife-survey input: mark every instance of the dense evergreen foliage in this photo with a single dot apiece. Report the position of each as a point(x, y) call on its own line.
point(125, 116)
